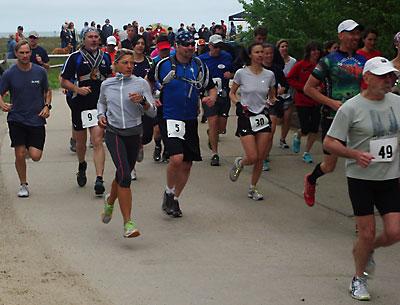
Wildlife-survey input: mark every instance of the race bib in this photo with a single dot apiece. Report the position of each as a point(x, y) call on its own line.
point(218, 83)
point(383, 150)
point(89, 118)
point(259, 122)
point(176, 129)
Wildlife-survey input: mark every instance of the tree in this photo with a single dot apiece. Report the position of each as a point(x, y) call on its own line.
point(302, 21)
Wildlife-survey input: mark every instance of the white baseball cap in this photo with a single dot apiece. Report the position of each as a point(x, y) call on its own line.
point(215, 39)
point(347, 26)
point(111, 40)
point(379, 66)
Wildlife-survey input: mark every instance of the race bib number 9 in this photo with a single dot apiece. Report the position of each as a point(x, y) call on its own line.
point(176, 129)
point(259, 122)
point(383, 150)
point(89, 118)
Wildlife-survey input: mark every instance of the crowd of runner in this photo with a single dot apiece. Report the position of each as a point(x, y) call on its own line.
point(135, 86)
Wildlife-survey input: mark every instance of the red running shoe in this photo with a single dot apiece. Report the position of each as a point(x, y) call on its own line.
point(309, 191)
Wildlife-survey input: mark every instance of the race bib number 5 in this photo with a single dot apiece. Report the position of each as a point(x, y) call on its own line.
point(176, 129)
point(259, 122)
point(89, 118)
point(383, 150)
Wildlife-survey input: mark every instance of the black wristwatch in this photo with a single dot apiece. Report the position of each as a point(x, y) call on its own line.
point(143, 102)
point(48, 106)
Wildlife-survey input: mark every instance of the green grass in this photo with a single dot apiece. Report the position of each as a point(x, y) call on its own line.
point(48, 43)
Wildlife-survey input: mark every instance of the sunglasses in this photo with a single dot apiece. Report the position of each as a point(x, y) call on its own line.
point(188, 43)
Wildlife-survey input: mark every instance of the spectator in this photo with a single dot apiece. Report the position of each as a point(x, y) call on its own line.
point(106, 31)
point(84, 29)
point(74, 35)
point(19, 35)
point(38, 54)
point(11, 43)
point(171, 36)
point(65, 36)
point(232, 32)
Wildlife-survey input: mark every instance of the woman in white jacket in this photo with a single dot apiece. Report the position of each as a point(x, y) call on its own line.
point(122, 102)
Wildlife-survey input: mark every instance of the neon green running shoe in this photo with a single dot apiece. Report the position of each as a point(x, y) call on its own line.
point(130, 229)
point(108, 209)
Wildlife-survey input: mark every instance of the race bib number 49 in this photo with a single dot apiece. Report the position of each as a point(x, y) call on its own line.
point(259, 122)
point(383, 150)
point(176, 129)
point(89, 118)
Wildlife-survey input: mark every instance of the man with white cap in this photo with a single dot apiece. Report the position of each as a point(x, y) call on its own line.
point(110, 48)
point(370, 124)
point(341, 73)
point(219, 64)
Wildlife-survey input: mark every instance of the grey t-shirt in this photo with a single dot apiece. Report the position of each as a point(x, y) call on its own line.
point(254, 88)
point(360, 121)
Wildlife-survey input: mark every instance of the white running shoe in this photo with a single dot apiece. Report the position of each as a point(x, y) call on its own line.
point(23, 191)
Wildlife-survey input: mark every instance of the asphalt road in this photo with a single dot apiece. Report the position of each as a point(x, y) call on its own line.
point(227, 249)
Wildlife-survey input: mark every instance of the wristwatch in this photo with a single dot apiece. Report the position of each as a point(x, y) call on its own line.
point(143, 102)
point(48, 106)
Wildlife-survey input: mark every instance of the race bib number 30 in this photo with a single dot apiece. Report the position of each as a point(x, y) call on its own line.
point(89, 118)
point(383, 150)
point(176, 129)
point(259, 122)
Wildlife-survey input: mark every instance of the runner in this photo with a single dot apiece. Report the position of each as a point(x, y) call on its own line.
point(182, 77)
point(219, 64)
point(30, 106)
point(164, 51)
point(83, 74)
point(281, 86)
point(283, 47)
point(123, 100)
point(370, 124)
point(141, 68)
point(341, 73)
point(253, 124)
point(308, 111)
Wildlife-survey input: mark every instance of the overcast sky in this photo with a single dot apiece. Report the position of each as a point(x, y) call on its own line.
point(49, 15)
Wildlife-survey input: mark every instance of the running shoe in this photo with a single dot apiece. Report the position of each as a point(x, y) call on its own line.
point(283, 144)
point(133, 175)
point(215, 160)
point(307, 158)
point(157, 153)
point(130, 229)
point(370, 267)
point(203, 119)
point(309, 191)
point(72, 145)
point(23, 191)
point(266, 166)
point(99, 187)
point(236, 169)
point(108, 210)
point(175, 210)
point(167, 203)
point(81, 175)
point(359, 289)
point(140, 155)
point(165, 157)
point(296, 143)
point(255, 194)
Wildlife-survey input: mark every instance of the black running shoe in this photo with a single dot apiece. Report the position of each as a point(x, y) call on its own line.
point(175, 210)
point(99, 187)
point(167, 202)
point(165, 157)
point(157, 154)
point(81, 174)
point(215, 160)
point(203, 119)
